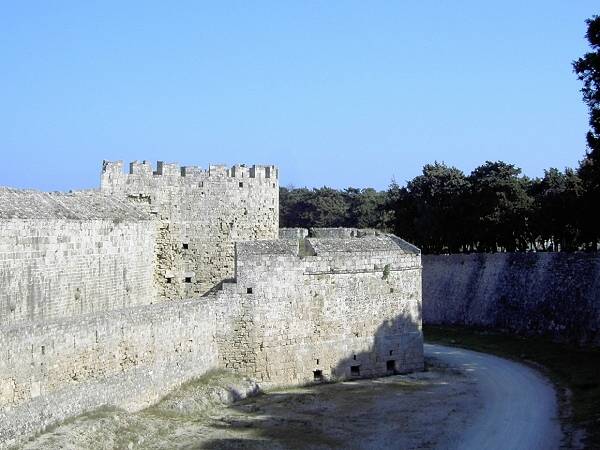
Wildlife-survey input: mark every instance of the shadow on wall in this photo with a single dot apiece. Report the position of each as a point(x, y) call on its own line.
point(397, 348)
point(318, 415)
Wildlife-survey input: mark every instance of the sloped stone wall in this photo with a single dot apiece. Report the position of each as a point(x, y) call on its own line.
point(64, 268)
point(551, 294)
point(128, 358)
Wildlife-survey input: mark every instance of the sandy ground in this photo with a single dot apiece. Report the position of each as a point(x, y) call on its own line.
point(465, 400)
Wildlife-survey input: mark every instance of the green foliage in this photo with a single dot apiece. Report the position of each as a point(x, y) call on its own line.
point(430, 210)
point(327, 207)
point(587, 69)
point(499, 206)
point(557, 209)
point(442, 210)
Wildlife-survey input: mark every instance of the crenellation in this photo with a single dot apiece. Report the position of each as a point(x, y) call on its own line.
point(167, 169)
point(192, 171)
point(218, 171)
point(240, 171)
point(142, 169)
point(112, 172)
point(211, 209)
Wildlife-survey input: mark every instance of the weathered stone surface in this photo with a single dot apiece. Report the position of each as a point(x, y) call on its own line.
point(293, 233)
point(206, 212)
point(63, 255)
point(354, 245)
point(52, 370)
point(552, 294)
point(80, 205)
point(326, 312)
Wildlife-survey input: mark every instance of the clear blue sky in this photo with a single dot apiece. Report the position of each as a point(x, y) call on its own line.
point(337, 93)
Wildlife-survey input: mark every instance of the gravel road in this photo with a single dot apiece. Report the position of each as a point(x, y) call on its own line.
point(519, 406)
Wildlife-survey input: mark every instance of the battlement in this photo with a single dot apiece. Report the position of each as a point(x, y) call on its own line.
point(115, 169)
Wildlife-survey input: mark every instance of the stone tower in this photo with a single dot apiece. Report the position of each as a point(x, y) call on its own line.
point(201, 214)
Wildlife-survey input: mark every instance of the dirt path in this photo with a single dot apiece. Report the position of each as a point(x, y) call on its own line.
point(519, 406)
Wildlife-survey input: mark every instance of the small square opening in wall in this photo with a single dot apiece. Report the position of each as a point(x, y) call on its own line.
point(248, 290)
point(318, 375)
point(390, 366)
point(241, 184)
point(185, 246)
point(391, 352)
point(355, 371)
point(169, 280)
point(188, 279)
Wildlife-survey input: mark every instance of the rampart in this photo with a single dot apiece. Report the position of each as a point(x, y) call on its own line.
point(549, 294)
point(128, 358)
point(63, 255)
point(297, 311)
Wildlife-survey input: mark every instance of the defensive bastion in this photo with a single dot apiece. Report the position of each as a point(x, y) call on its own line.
point(116, 296)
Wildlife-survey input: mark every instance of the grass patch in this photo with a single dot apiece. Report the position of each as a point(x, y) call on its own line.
point(574, 368)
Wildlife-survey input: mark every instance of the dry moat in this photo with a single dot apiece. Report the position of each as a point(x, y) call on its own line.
point(401, 411)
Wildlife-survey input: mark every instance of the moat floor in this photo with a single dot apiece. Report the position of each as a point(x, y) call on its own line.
point(465, 400)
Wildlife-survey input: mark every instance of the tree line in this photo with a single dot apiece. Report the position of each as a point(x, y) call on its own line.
point(494, 208)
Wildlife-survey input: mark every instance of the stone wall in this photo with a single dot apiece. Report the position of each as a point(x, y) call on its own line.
point(63, 255)
point(83, 317)
point(297, 311)
point(327, 308)
point(551, 294)
point(293, 233)
point(128, 358)
point(202, 214)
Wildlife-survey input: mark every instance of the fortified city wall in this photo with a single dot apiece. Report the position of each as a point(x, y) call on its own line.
point(84, 320)
point(549, 294)
point(128, 358)
point(297, 311)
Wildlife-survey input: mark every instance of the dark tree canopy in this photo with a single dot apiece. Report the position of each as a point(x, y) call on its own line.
point(557, 202)
point(494, 208)
point(587, 69)
point(431, 209)
point(499, 206)
point(327, 207)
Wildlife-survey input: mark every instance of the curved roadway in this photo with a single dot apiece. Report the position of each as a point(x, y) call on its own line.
point(519, 406)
